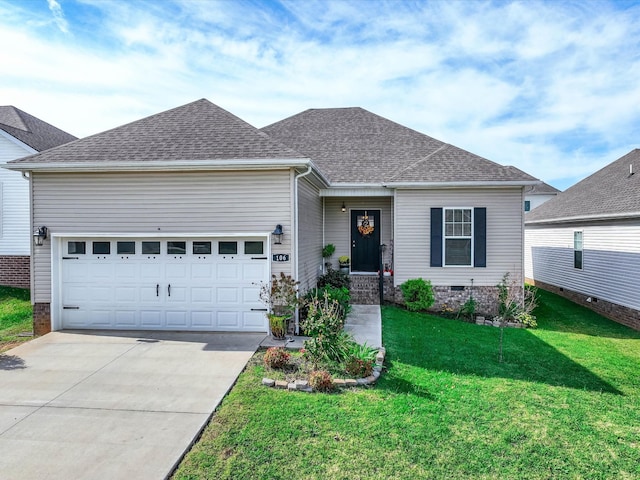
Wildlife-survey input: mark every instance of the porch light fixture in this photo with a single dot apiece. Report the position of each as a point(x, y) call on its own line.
point(277, 234)
point(39, 236)
point(343, 209)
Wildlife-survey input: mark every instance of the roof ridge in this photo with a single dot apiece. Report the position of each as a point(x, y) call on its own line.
point(444, 146)
point(14, 118)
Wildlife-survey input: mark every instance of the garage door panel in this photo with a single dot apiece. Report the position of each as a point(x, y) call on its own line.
point(125, 318)
point(155, 291)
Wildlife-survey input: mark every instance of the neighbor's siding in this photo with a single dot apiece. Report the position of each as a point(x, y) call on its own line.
point(159, 202)
point(309, 234)
point(15, 235)
point(611, 260)
point(338, 228)
point(504, 235)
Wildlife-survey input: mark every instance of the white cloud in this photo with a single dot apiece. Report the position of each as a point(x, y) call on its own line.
point(58, 15)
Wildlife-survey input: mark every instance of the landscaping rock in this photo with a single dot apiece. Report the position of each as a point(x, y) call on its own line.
point(371, 378)
point(268, 382)
point(292, 386)
point(338, 382)
point(362, 381)
point(351, 382)
point(281, 384)
point(302, 384)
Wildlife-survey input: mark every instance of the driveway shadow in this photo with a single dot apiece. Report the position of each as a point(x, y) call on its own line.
point(11, 362)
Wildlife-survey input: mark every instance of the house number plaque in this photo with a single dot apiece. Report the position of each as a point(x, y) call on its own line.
point(280, 257)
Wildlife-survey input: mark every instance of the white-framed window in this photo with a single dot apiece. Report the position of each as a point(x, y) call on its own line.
point(577, 249)
point(458, 237)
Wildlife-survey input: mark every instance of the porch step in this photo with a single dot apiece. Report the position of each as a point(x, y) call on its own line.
point(364, 290)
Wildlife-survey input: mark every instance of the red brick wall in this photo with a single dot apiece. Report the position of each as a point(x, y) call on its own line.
point(624, 315)
point(41, 318)
point(15, 271)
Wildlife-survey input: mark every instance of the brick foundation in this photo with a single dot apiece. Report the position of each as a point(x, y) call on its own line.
point(41, 318)
point(449, 299)
point(365, 289)
point(15, 271)
point(618, 313)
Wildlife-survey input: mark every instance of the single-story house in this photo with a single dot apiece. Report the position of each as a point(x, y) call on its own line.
point(585, 243)
point(171, 222)
point(21, 134)
point(536, 195)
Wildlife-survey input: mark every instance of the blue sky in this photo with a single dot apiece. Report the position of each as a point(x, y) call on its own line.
point(550, 87)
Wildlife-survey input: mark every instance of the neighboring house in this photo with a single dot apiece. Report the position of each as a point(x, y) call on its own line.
point(168, 222)
point(21, 134)
point(585, 243)
point(536, 195)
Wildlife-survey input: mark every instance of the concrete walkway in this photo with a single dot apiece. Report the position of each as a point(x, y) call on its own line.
point(364, 322)
point(111, 405)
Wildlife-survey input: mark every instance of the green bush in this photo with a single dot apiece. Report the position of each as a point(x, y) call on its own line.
point(335, 278)
point(339, 294)
point(418, 294)
point(359, 360)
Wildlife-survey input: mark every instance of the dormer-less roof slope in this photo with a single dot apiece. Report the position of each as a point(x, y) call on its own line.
point(30, 130)
point(197, 132)
point(353, 145)
point(612, 192)
point(541, 189)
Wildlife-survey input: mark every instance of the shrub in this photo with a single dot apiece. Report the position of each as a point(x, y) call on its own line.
point(468, 309)
point(513, 306)
point(356, 367)
point(280, 295)
point(417, 294)
point(321, 381)
point(324, 323)
point(341, 295)
point(335, 278)
point(276, 357)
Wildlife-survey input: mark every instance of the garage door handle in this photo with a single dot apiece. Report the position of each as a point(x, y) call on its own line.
point(157, 289)
point(259, 310)
point(169, 289)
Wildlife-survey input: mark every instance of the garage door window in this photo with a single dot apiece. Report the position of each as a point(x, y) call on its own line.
point(151, 248)
point(202, 248)
point(176, 248)
point(126, 248)
point(228, 248)
point(76, 248)
point(101, 248)
point(253, 248)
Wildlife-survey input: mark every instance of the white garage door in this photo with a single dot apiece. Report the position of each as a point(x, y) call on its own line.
point(199, 284)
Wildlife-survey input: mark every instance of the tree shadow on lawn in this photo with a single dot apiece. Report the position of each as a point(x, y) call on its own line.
point(559, 314)
point(439, 344)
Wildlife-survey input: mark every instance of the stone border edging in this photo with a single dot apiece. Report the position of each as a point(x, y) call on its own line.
point(303, 385)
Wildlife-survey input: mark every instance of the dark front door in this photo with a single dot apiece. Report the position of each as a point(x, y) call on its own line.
point(365, 240)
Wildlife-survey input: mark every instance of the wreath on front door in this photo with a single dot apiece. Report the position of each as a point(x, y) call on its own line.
point(365, 228)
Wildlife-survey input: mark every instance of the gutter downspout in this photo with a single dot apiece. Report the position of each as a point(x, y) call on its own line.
point(296, 228)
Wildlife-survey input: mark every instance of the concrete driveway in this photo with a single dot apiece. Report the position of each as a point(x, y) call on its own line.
point(111, 405)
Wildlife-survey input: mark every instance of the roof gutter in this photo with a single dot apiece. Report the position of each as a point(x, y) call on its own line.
point(161, 165)
point(506, 183)
point(582, 218)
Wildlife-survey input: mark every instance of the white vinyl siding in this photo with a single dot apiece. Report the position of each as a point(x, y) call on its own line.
point(309, 234)
point(338, 228)
point(15, 234)
point(611, 259)
point(412, 243)
point(212, 203)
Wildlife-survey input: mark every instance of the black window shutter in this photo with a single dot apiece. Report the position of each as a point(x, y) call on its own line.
point(436, 237)
point(480, 237)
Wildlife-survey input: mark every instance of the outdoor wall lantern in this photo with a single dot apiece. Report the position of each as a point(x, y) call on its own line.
point(277, 234)
point(39, 236)
point(343, 209)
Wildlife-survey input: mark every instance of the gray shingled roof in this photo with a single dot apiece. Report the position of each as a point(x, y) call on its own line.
point(609, 193)
point(30, 130)
point(353, 145)
point(197, 131)
point(541, 189)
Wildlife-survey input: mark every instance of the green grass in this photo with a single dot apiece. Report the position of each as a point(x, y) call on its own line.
point(16, 316)
point(565, 403)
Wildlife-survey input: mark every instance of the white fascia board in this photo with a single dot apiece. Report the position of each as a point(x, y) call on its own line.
point(584, 218)
point(11, 138)
point(169, 165)
point(491, 184)
point(157, 235)
point(377, 191)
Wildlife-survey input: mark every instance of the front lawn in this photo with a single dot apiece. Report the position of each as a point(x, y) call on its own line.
point(565, 403)
point(15, 316)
